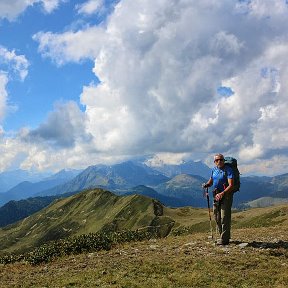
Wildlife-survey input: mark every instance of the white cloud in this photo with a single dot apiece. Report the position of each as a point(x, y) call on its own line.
point(12, 66)
point(70, 46)
point(273, 8)
point(224, 42)
point(63, 127)
point(18, 64)
point(3, 94)
point(90, 7)
point(166, 158)
point(160, 64)
point(268, 167)
point(51, 5)
point(251, 152)
point(10, 9)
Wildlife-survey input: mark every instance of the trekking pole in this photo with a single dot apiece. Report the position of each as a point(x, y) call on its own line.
point(217, 220)
point(208, 202)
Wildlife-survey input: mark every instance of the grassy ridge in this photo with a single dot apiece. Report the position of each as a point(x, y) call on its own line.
point(90, 212)
point(187, 260)
point(262, 217)
point(86, 212)
point(99, 210)
point(183, 261)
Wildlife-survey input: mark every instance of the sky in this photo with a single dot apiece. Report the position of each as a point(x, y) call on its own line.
point(98, 81)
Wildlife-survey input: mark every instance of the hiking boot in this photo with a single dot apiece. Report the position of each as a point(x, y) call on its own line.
point(221, 242)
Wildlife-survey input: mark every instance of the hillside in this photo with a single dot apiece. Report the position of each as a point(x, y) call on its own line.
point(280, 182)
point(257, 255)
point(184, 187)
point(265, 202)
point(181, 190)
point(149, 192)
point(14, 211)
point(90, 211)
point(254, 189)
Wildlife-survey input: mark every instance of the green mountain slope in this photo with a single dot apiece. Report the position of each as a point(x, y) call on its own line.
point(17, 210)
point(14, 211)
point(257, 252)
point(265, 202)
point(89, 211)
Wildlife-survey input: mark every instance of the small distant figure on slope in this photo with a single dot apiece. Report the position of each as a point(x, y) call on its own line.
point(222, 181)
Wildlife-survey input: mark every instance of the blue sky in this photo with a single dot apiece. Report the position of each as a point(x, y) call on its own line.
point(98, 81)
point(46, 82)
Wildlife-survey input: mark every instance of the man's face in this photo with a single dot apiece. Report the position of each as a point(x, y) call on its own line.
point(219, 161)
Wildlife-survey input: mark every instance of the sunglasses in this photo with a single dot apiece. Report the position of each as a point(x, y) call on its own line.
point(217, 160)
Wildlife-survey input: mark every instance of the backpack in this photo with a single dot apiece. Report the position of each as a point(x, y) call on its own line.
point(232, 162)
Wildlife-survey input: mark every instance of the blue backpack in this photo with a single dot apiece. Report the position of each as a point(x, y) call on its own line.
point(232, 162)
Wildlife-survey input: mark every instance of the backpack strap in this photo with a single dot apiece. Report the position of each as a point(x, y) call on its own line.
point(226, 176)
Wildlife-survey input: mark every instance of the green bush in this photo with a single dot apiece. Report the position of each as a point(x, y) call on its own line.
point(76, 245)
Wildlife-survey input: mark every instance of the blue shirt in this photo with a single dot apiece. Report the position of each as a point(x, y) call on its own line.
point(220, 177)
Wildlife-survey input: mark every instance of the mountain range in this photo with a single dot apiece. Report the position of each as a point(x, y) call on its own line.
point(129, 178)
point(186, 167)
point(98, 210)
point(28, 189)
point(10, 179)
point(115, 178)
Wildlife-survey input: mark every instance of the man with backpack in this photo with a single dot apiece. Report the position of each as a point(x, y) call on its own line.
point(222, 179)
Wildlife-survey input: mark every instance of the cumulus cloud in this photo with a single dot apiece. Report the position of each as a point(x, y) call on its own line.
point(160, 65)
point(12, 66)
point(261, 9)
point(70, 46)
point(3, 94)
point(90, 7)
point(63, 127)
point(10, 9)
point(51, 5)
point(99, 8)
point(10, 61)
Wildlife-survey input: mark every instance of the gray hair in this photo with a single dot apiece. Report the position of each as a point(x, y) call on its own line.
point(218, 155)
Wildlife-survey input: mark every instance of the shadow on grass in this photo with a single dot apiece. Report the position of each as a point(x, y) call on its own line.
point(264, 245)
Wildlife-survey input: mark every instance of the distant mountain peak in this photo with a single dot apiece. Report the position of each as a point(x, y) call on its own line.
point(184, 167)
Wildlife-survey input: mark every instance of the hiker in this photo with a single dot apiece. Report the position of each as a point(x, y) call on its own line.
point(222, 181)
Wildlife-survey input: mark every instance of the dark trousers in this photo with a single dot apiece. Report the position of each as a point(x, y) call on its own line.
point(222, 214)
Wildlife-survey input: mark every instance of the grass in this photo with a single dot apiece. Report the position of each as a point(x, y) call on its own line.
point(82, 213)
point(178, 261)
point(95, 210)
point(261, 217)
point(188, 260)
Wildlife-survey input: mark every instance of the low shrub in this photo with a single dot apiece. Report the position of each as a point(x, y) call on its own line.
point(76, 245)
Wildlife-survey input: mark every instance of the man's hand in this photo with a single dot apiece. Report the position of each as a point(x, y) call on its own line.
point(205, 185)
point(219, 196)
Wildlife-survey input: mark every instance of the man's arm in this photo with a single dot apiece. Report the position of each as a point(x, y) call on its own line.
point(227, 189)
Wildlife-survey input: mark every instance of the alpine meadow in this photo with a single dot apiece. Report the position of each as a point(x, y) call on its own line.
point(130, 132)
